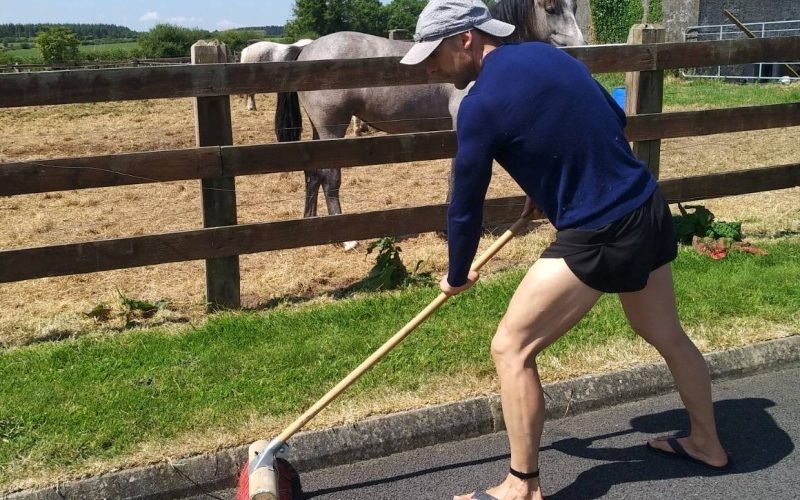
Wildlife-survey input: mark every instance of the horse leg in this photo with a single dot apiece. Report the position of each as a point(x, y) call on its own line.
point(313, 181)
point(251, 102)
point(331, 182)
point(331, 178)
point(312, 189)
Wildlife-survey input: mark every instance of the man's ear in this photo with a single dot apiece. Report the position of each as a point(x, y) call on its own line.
point(466, 39)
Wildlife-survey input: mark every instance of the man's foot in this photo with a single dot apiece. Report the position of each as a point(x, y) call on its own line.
point(512, 488)
point(713, 456)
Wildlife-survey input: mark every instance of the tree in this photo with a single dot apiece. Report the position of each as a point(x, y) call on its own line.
point(403, 14)
point(364, 16)
point(167, 40)
point(58, 44)
point(313, 18)
point(308, 20)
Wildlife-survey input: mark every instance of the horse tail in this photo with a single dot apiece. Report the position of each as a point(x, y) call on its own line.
point(288, 120)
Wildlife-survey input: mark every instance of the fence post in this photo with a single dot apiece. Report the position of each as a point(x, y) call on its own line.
point(213, 128)
point(645, 93)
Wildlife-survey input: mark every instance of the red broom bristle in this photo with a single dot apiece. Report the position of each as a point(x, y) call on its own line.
point(243, 492)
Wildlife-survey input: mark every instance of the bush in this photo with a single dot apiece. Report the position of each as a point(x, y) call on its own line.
point(58, 45)
point(612, 19)
point(113, 54)
point(167, 40)
point(236, 40)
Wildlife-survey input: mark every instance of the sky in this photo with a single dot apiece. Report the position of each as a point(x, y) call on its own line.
point(141, 15)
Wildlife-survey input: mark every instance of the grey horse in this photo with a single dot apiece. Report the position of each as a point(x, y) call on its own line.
point(270, 52)
point(400, 109)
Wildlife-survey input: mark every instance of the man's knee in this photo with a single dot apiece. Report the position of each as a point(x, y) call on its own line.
point(667, 341)
point(513, 347)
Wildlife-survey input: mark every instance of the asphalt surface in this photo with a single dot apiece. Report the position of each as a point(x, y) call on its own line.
point(601, 454)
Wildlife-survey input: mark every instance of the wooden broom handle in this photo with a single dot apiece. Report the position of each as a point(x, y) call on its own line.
point(398, 337)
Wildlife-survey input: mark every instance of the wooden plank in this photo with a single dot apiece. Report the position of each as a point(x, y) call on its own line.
point(213, 126)
point(124, 84)
point(755, 180)
point(661, 56)
point(337, 153)
point(182, 164)
point(62, 87)
point(65, 174)
point(712, 121)
point(645, 94)
point(77, 258)
point(124, 253)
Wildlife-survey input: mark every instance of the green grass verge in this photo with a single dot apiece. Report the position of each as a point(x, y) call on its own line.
point(70, 403)
point(687, 93)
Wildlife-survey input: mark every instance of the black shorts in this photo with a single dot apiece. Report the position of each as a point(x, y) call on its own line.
point(620, 256)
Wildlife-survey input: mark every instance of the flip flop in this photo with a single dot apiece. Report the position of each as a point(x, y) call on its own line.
point(482, 495)
point(680, 453)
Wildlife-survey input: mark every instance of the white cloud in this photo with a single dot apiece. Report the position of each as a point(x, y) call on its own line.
point(149, 16)
point(186, 21)
point(226, 24)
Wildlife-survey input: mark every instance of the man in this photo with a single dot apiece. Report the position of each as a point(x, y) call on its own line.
point(558, 133)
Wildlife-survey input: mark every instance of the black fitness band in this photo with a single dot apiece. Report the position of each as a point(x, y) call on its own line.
point(524, 475)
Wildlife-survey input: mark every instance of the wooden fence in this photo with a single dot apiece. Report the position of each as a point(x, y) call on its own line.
point(99, 64)
point(217, 163)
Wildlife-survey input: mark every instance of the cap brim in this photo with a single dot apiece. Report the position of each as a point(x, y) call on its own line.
point(419, 52)
point(496, 28)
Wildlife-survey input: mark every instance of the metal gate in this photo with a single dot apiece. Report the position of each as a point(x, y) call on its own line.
point(750, 72)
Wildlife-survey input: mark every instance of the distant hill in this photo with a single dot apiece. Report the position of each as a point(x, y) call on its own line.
point(18, 32)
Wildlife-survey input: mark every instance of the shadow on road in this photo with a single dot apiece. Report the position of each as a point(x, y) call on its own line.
point(749, 433)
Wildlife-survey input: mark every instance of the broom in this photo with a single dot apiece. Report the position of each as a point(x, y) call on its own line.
point(266, 477)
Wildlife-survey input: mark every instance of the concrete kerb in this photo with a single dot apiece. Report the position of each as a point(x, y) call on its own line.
point(384, 435)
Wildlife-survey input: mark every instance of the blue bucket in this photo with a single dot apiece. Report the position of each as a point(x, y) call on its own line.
point(619, 94)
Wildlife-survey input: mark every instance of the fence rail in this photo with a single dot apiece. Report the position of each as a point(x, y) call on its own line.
point(232, 161)
point(64, 87)
point(122, 253)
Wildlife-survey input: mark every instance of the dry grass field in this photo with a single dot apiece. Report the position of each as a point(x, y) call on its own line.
point(54, 308)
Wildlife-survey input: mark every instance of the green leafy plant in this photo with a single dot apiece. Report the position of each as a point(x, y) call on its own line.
point(612, 19)
point(58, 45)
point(389, 271)
point(700, 222)
point(134, 310)
point(100, 312)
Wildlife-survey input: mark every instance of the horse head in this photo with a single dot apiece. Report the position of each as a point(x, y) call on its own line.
point(551, 21)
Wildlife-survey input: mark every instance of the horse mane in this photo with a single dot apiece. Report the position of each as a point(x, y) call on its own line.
point(520, 13)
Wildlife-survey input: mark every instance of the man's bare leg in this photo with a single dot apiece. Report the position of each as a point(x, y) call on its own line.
point(653, 315)
point(548, 302)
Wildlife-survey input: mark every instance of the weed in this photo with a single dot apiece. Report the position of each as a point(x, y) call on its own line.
point(389, 271)
point(700, 222)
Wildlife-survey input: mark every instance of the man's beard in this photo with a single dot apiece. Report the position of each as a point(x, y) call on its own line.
point(462, 80)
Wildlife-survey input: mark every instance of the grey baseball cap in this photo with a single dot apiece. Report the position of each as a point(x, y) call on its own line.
point(444, 18)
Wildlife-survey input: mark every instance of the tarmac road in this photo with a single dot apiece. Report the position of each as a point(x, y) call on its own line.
point(601, 454)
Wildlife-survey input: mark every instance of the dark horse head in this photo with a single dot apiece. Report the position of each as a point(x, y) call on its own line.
point(551, 21)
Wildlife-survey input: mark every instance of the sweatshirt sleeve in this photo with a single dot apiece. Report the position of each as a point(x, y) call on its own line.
point(472, 171)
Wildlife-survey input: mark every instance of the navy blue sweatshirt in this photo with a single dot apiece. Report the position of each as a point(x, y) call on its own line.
point(558, 133)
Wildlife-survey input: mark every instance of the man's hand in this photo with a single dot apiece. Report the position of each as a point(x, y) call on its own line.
point(530, 208)
point(455, 290)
